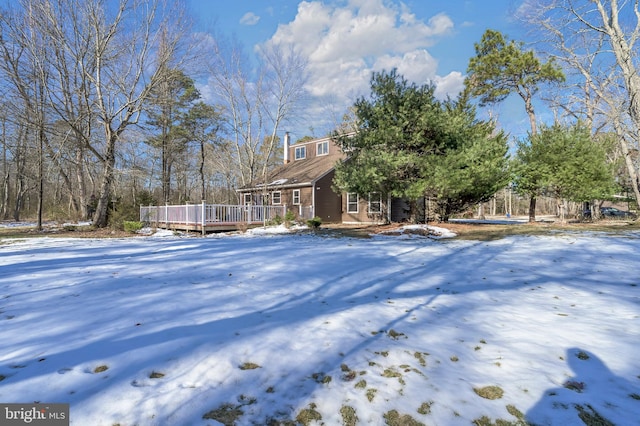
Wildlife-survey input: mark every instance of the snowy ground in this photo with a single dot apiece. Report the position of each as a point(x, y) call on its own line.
point(266, 328)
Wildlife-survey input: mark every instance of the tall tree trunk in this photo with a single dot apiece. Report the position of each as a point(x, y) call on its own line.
point(82, 185)
point(4, 214)
point(532, 208)
point(41, 137)
point(101, 217)
point(203, 193)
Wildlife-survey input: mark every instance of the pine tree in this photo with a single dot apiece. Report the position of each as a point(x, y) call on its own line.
point(410, 145)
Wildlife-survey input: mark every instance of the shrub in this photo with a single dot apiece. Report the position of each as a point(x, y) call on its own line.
point(277, 220)
point(131, 226)
point(289, 217)
point(314, 222)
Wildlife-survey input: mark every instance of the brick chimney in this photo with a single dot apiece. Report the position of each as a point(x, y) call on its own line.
point(286, 147)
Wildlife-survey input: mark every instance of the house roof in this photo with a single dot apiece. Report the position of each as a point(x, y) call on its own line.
point(298, 173)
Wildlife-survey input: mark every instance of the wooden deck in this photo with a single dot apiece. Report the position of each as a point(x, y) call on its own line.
point(209, 217)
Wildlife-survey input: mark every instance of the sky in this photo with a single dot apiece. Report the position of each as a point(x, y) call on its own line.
point(428, 41)
point(166, 329)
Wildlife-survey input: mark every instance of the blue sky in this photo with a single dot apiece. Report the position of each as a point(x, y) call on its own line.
point(345, 40)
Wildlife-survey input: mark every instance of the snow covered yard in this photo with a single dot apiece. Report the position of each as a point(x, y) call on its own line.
point(303, 329)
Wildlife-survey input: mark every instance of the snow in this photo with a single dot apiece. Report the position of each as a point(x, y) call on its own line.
point(386, 323)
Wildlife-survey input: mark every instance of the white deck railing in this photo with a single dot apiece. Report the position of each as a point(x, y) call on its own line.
point(207, 215)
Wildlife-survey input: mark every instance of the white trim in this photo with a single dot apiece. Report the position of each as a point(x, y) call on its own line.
point(273, 198)
point(357, 202)
point(318, 145)
point(302, 150)
point(293, 197)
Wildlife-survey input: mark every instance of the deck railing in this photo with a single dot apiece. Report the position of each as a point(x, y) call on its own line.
point(207, 215)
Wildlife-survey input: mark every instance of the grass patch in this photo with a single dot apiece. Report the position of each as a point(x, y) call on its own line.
point(632, 395)
point(362, 384)
point(486, 421)
point(100, 369)
point(227, 414)
point(393, 418)
point(391, 373)
point(574, 386)
point(321, 378)
point(349, 417)
point(491, 232)
point(249, 366)
point(420, 357)
point(371, 393)
point(425, 408)
point(591, 417)
point(156, 375)
point(489, 392)
point(454, 358)
point(307, 415)
point(395, 335)
point(582, 355)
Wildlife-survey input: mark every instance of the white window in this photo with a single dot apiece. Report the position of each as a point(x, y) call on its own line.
point(301, 152)
point(296, 197)
point(322, 148)
point(275, 197)
point(247, 198)
point(375, 202)
point(352, 202)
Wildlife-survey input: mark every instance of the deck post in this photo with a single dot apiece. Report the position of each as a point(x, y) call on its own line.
point(186, 214)
point(166, 215)
point(204, 219)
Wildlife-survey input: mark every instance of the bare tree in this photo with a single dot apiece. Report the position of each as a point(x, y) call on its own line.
point(285, 77)
point(256, 102)
point(598, 39)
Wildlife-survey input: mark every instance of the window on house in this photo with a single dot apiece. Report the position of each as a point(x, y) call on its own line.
point(352, 202)
point(296, 197)
point(375, 202)
point(275, 197)
point(322, 148)
point(301, 152)
point(247, 198)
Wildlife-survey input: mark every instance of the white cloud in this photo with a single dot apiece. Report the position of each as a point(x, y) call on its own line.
point(417, 66)
point(344, 44)
point(249, 18)
point(449, 85)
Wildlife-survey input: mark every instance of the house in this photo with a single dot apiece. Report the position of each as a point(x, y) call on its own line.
point(304, 184)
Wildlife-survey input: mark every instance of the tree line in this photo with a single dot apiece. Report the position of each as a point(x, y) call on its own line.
point(410, 145)
point(101, 112)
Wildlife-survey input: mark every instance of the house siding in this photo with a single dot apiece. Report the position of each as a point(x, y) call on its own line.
point(303, 210)
point(363, 215)
point(328, 203)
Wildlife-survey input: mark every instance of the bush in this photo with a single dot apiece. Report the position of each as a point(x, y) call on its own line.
point(275, 221)
point(289, 217)
point(132, 226)
point(314, 223)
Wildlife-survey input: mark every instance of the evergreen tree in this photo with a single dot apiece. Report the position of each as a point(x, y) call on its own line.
point(565, 162)
point(410, 145)
point(502, 67)
point(475, 165)
point(168, 103)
